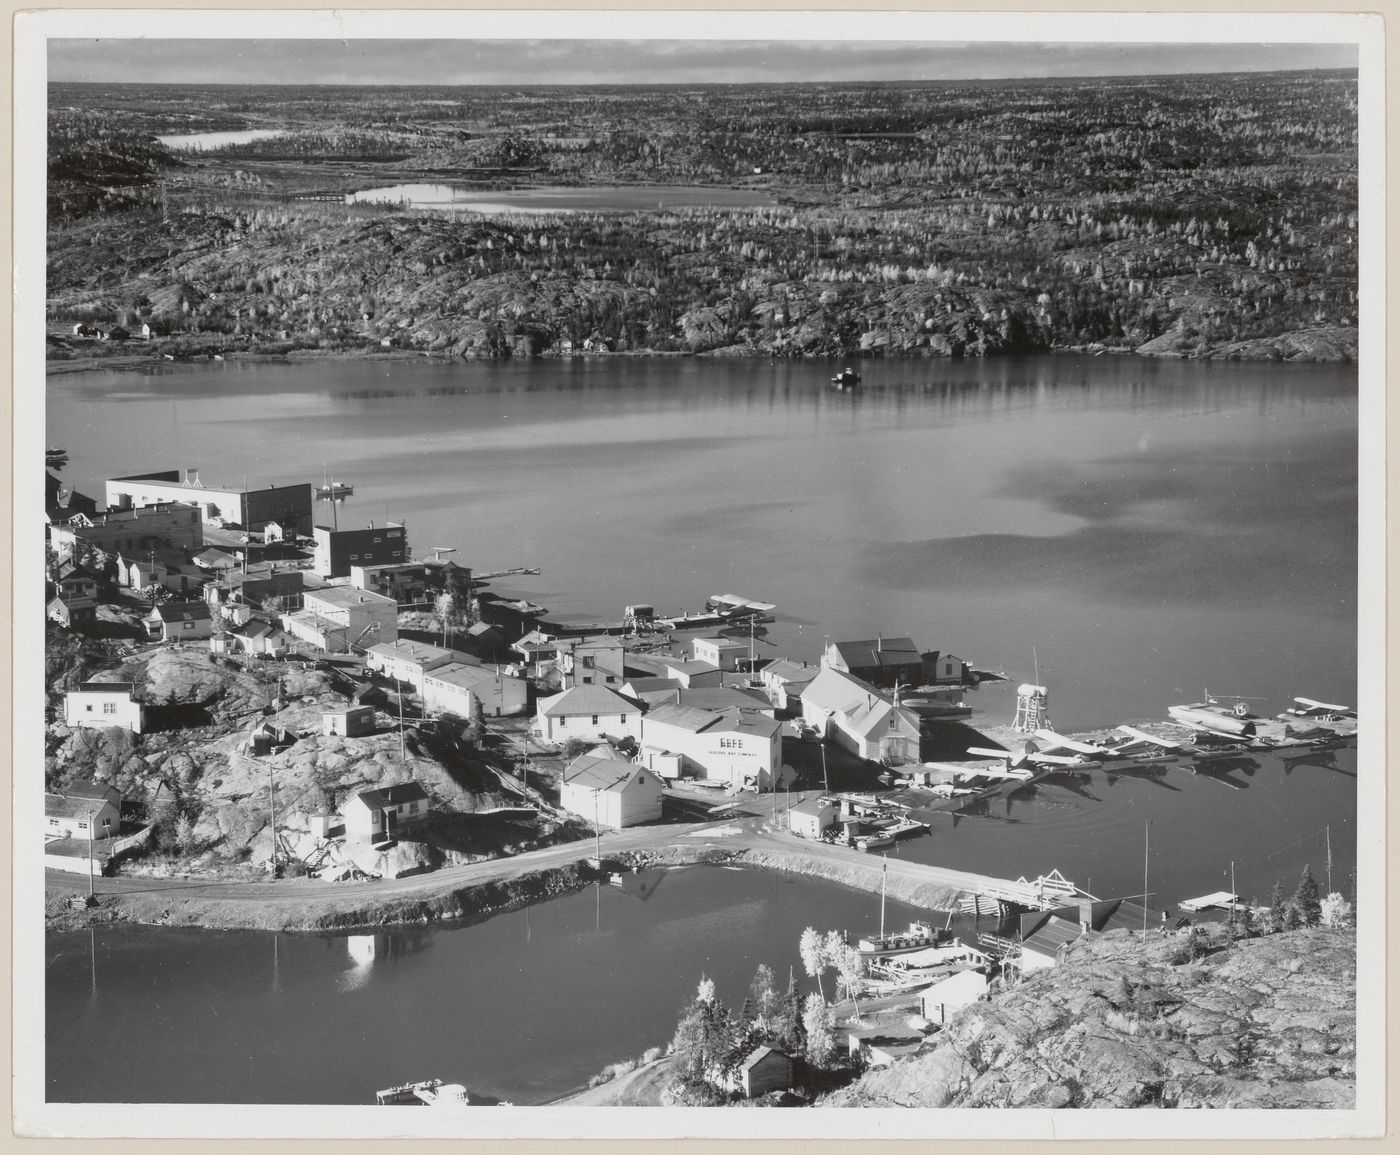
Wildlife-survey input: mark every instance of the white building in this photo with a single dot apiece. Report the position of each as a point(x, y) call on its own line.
point(588, 712)
point(339, 618)
point(740, 747)
point(470, 691)
point(611, 792)
point(373, 815)
point(82, 811)
point(722, 653)
point(406, 661)
point(784, 681)
point(101, 704)
point(809, 818)
point(861, 718)
point(942, 1000)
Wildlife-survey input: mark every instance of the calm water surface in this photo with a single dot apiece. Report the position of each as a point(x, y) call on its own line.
point(524, 1006)
point(203, 141)
point(1152, 529)
point(595, 199)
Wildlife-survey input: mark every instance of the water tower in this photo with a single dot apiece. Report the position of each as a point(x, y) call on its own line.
point(1032, 709)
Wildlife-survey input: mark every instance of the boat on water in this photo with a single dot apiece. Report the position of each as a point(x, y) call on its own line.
point(919, 936)
point(848, 378)
point(936, 708)
point(868, 842)
point(424, 1093)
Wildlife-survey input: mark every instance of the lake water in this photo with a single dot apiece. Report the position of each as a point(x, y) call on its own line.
point(524, 1006)
point(204, 141)
point(1151, 528)
point(591, 199)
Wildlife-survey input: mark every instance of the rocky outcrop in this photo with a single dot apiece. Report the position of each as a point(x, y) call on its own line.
point(1335, 343)
point(1269, 1022)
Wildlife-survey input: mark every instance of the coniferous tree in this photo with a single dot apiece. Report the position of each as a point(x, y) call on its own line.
point(1278, 911)
point(1307, 899)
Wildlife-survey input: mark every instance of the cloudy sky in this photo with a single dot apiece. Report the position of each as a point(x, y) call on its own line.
point(516, 62)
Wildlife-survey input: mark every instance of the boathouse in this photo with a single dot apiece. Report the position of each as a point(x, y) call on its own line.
point(610, 792)
point(881, 661)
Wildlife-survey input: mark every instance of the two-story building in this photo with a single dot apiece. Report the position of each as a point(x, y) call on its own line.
point(338, 619)
point(784, 680)
point(101, 703)
point(174, 525)
point(861, 718)
point(250, 508)
point(474, 691)
point(336, 550)
point(610, 792)
point(740, 747)
point(591, 661)
point(720, 652)
point(588, 712)
point(405, 661)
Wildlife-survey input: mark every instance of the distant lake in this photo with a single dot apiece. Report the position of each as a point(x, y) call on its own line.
point(560, 199)
point(204, 141)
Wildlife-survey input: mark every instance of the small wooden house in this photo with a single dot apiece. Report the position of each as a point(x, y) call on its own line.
point(375, 815)
point(348, 721)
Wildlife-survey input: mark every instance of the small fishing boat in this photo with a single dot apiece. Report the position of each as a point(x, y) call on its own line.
point(848, 378)
point(424, 1092)
point(919, 936)
point(869, 842)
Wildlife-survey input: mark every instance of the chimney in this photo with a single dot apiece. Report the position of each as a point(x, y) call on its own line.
point(880, 643)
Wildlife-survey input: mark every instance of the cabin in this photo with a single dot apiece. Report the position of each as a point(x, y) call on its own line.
point(348, 722)
point(83, 810)
point(100, 704)
point(71, 612)
point(610, 792)
point(179, 622)
point(765, 1069)
point(812, 818)
point(376, 815)
point(588, 712)
point(944, 999)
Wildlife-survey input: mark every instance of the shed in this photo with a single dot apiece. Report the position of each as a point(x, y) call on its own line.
point(811, 817)
point(348, 721)
point(765, 1070)
point(944, 999)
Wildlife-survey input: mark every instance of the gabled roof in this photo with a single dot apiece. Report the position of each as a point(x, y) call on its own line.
point(692, 718)
point(74, 804)
point(468, 675)
point(79, 602)
point(181, 612)
point(600, 772)
point(395, 795)
point(90, 790)
point(813, 806)
point(964, 984)
point(689, 666)
point(722, 698)
point(786, 670)
point(588, 699)
point(733, 719)
point(878, 652)
point(758, 1054)
point(1054, 933)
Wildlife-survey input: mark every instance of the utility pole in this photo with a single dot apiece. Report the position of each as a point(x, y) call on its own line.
point(403, 755)
point(826, 782)
point(1146, 843)
point(92, 818)
point(1329, 860)
point(1234, 899)
point(272, 814)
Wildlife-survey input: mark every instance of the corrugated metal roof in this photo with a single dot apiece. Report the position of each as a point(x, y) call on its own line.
point(588, 699)
point(600, 772)
point(877, 652)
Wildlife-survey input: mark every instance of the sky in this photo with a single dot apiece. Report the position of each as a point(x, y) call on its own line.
point(518, 62)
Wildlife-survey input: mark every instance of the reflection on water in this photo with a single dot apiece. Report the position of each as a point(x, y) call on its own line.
point(1149, 527)
point(203, 141)
point(592, 198)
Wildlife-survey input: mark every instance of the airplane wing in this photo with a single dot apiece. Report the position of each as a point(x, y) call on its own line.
point(1055, 741)
point(1312, 704)
point(1144, 736)
point(1058, 759)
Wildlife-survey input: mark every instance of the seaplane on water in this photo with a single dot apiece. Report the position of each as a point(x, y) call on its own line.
point(998, 772)
point(1311, 708)
point(1029, 754)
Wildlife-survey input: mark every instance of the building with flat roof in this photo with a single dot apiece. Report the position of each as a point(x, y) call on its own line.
point(99, 704)
point(337, 550)
point(338, 619)
point(172, 525)
point(736, 745)
point(249, 507)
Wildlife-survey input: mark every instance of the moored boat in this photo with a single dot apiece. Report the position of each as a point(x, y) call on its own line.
point(919, 936)
point(424, 1092)
point(848, 378)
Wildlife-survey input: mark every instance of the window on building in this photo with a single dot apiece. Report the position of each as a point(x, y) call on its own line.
point(595, 719)
point(354, 557)
point(376, 541)
point(610, 679)
point(622, 719)
point(587, 680)
point(53, 821)
point(109, 707)
point(88, 707)
point(587, 661)
point(82, 825)
point(187, 626)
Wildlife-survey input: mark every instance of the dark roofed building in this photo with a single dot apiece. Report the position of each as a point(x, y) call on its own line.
point(381, 813)
point(179, 621)
point(881, 661)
